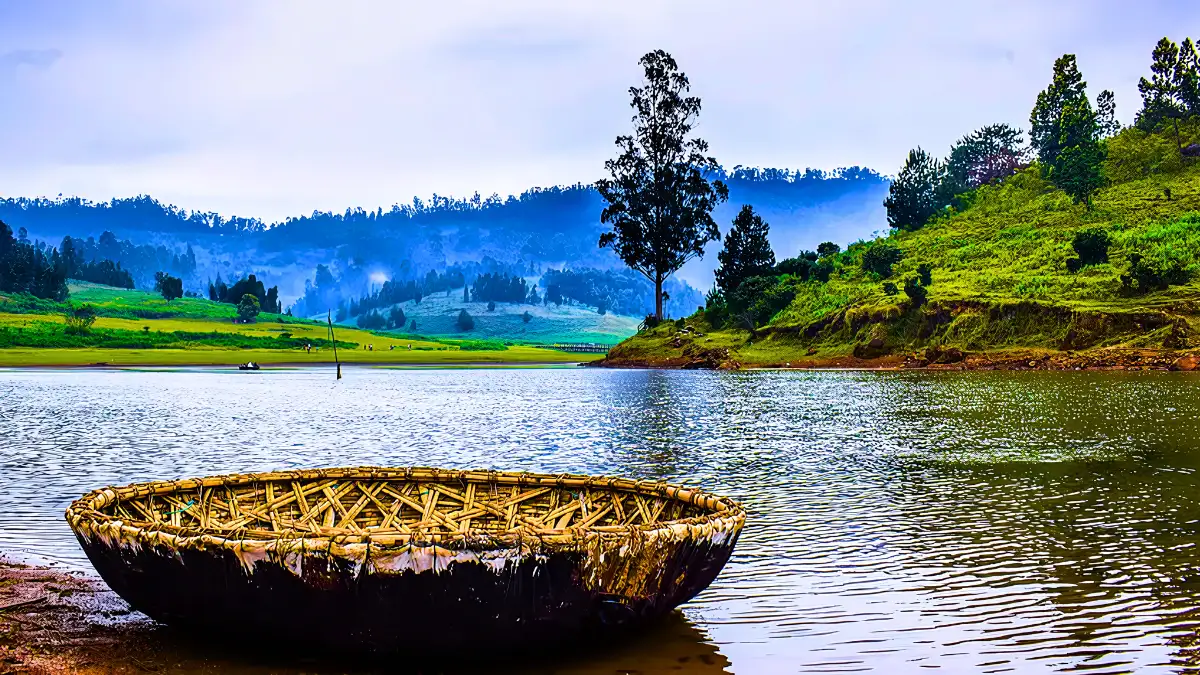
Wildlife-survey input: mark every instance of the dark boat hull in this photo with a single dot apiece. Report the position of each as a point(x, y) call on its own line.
point(328, 603)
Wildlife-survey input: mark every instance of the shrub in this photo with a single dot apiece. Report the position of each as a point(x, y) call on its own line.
point(80, 319)
point(759, 299)
point(1074, 265)
point(828, 248)
point(248, 307)
point(1091, 245)
point(649, 323)
point(799, 267)
point(526, 317)
point(465, 322)
point(822, 270)
point(491, 305)
point(879, 258)
point(915, 291)
point(1154, 274)
point(1134, 153)
point(889, 288)
point(925, 274)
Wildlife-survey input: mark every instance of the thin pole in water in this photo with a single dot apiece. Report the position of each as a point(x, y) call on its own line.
point(333, 339)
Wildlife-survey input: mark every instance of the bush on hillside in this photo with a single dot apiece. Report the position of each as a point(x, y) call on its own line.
point(879, 258)
point(1134, 154)
point(828, 248)
point(925, 274)
point(1154, 274)
point(80, 319)
point(1091, 245)
point(889, 288)
point(915, 291)
point(248, 307)
point(464, 322)
point(759, 299)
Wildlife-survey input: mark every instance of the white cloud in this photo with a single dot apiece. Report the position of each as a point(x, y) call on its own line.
point(276, 108)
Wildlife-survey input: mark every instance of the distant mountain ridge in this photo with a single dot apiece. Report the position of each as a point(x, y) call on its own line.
point(541, 229)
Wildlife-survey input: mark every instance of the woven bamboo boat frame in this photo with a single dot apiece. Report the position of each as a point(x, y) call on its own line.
point(389, 507)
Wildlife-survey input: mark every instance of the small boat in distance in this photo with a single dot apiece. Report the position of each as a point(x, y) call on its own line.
point(249, 365)
point(370, 560)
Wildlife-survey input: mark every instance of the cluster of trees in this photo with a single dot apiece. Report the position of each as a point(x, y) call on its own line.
point(393, 319)
point(502, 287)
point(1070, 139)
point(26, 267)
point(89, 268)
point(619, 291)
point(751, 287)
point(138, 263)
point(660, 195)
point(266, 299)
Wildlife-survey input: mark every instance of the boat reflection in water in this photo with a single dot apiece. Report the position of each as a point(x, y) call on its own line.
point(672, 645)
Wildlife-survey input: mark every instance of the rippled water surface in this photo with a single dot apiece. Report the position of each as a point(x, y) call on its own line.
point(899, 522)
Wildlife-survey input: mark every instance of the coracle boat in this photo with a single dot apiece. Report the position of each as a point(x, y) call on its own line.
point(378, 560)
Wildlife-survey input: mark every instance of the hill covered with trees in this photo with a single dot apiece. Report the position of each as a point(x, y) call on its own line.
point(1080, 247)
point(326, 262)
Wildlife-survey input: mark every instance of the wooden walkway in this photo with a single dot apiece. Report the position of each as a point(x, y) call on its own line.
point(579, 347)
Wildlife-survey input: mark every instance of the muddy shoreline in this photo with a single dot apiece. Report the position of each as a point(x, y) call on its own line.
point(57, 623)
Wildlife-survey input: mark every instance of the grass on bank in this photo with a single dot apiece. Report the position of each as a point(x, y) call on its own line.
point(1000, 280)
point(140, 328)
point(227, 357)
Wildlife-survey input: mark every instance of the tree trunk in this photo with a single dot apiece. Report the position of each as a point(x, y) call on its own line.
point(658, 313)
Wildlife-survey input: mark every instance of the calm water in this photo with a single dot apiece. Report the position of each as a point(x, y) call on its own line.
point(899, 522)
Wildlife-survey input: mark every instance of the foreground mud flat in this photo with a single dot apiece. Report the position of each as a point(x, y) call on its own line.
point(55, 623)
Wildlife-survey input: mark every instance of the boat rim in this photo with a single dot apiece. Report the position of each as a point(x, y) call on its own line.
point(719, 513)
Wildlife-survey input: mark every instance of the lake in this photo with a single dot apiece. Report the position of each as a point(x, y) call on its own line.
point(898, 521)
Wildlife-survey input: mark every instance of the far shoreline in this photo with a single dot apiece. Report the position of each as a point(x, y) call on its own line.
point(268, 359)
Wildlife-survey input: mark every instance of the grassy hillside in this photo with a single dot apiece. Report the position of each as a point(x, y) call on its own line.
point(136, 327)
point(437, 315)
point(999, 282)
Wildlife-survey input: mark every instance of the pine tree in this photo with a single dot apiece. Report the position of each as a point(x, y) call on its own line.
point(1045, 122)
point(1173, 90)
point(1106, 114)
point(913, 196)
point(1077, 168)
point(747, 252)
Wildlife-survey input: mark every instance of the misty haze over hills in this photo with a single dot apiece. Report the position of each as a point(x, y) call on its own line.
point(540, 230)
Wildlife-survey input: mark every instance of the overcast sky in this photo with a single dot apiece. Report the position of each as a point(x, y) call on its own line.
point(266, 109)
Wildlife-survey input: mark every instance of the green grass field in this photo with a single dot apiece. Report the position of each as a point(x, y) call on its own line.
point(437, 315)
point(1000, 282)
point(192, 331)
point(221, 357)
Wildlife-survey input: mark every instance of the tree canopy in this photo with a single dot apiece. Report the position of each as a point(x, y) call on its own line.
point(747, 252)
point(913, 196)
point(659, 194)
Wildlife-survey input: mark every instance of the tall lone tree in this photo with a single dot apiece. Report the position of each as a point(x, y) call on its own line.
point(660, 198)
point(913, 197)
point(747, 251)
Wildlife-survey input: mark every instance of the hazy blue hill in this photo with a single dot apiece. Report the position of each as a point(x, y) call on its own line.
point(527, 234)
